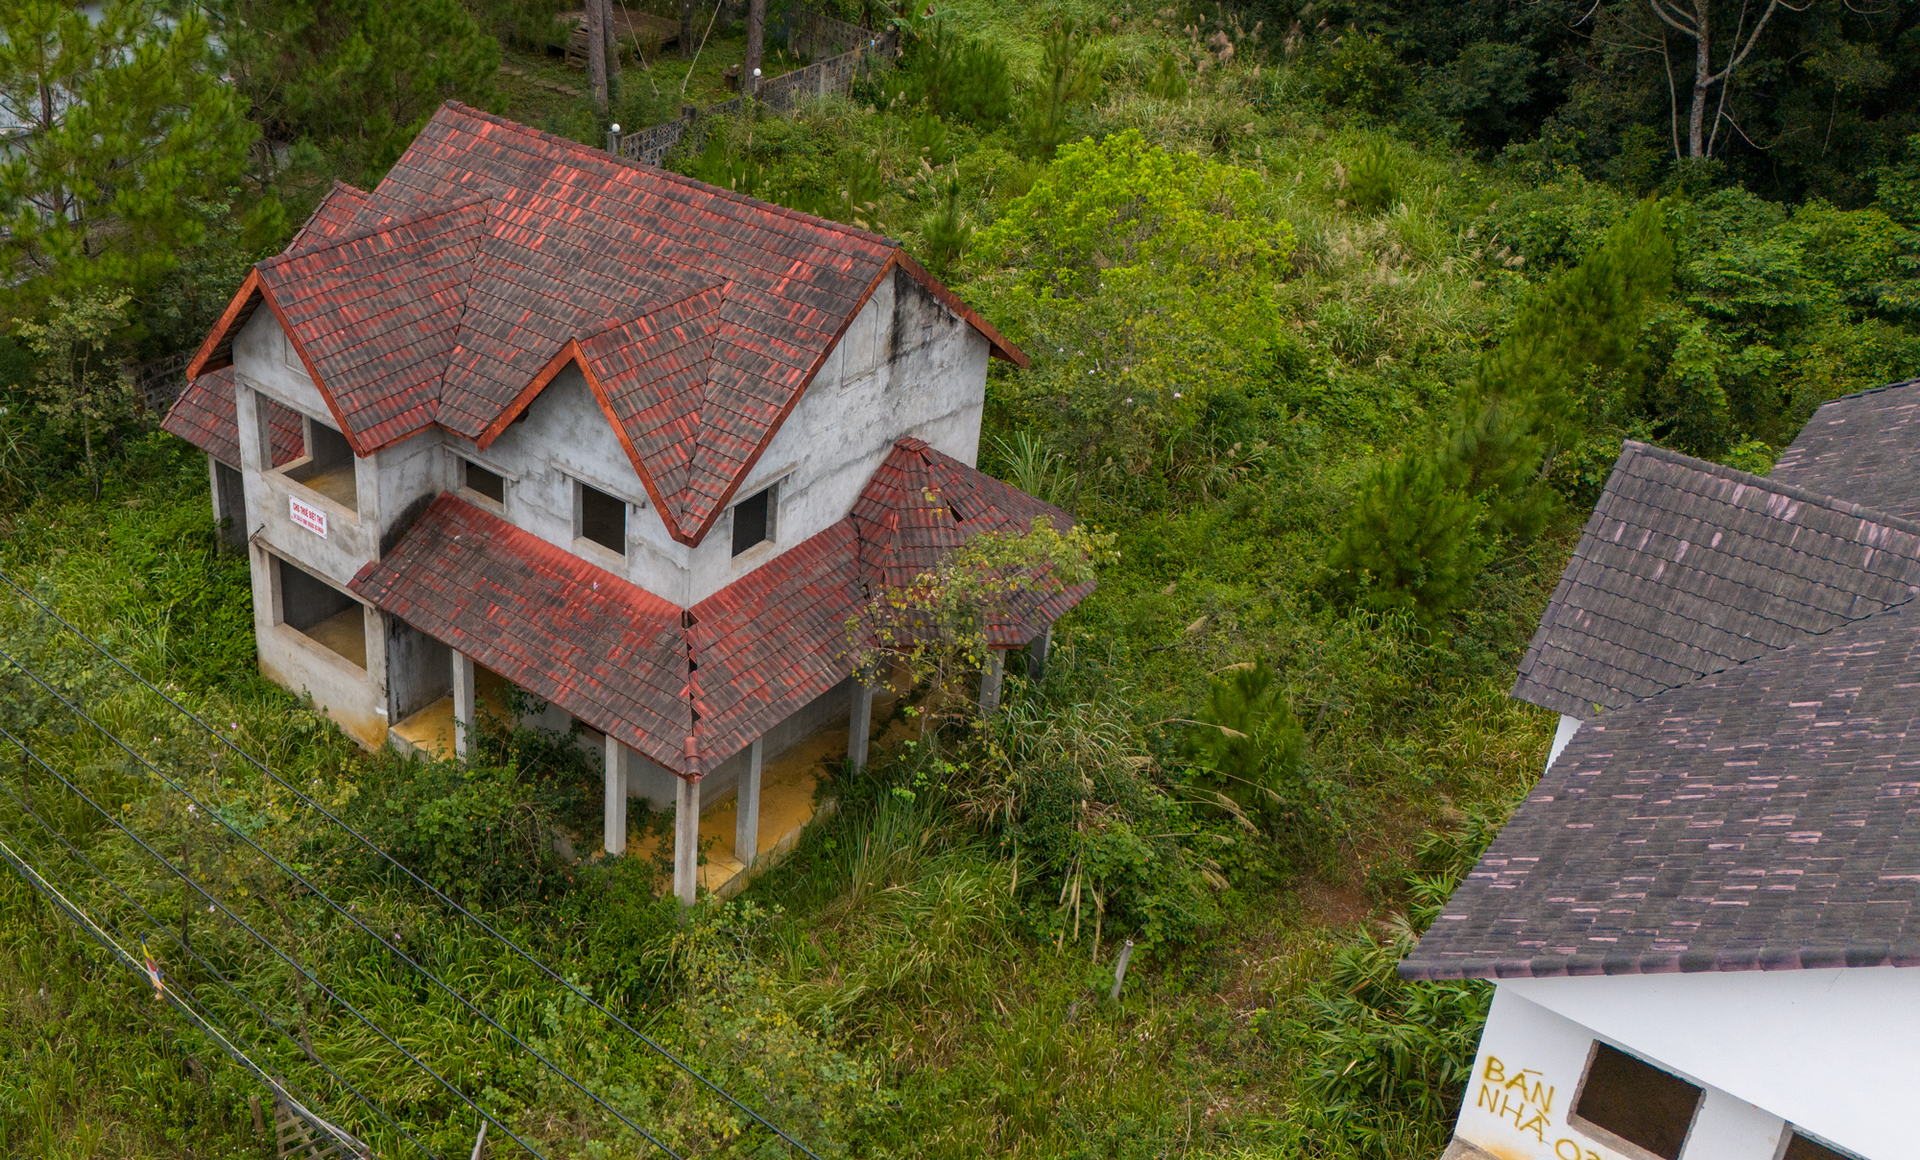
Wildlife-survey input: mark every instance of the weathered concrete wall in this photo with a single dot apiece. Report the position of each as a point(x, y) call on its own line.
point(262, 353)
point(352, 696)
point(419, 669)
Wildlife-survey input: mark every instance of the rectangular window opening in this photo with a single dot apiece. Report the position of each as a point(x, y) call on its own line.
point(328, 467)
point(753, 520)
point(1641, 1104)
point(322, 613)
point(1807, 1148)
point(603, 519)
point(487, 483)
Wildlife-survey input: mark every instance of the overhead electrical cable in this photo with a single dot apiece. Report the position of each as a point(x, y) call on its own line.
point(186, 947)
point(46, 889)
point(263, 940)
point(375, 849)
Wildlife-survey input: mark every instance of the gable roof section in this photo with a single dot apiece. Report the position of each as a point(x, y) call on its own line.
point(687, 691)
point(921, 504)
point(1687, 567)
point(206, 416)
point(492, 255)
point(1865, 447)
point(1763, 818)
point(600, 647)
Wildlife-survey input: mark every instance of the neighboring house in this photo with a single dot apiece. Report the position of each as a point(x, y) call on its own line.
point(1700, 921)
point(637, 445)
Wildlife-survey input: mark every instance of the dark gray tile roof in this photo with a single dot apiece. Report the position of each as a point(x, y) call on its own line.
point(1766, 817)
point(1687, 567)
point(1865, 447)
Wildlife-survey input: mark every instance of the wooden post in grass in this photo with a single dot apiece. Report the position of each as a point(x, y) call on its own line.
point(480, 1141)
point(1120, 970)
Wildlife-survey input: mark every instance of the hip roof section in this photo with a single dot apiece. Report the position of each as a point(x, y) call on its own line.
point(492, 255)
point(1687, 568)
point(1763, 818)
point(1865, 447)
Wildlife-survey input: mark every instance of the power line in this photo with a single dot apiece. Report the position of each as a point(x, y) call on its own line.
point(375, 849)
point(218, 975)
point(244, 925)
point(42, 885)
point(324, 897)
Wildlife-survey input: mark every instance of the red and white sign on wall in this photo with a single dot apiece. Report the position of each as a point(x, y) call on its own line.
point(308, 517)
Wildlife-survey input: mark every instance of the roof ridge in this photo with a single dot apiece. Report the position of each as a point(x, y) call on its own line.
point(1881, 389)
point(1792, 491)
point(602, 157)
point(459, 325)
point(725, 286)
point(285, 256)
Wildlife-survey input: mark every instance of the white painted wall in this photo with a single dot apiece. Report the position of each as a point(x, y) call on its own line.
point(1562, 734)
point(1832, 1052)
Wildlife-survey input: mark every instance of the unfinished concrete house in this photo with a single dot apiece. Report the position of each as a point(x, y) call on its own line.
point(531, 416)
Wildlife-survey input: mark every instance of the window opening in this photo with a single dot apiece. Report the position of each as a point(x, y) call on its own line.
point(322, 613)
point(753, 520)
point(603, 519)
point(1642, 1104)
point(286, 433)
point(328, 468)
point(1807, 1148)
point(487, 483)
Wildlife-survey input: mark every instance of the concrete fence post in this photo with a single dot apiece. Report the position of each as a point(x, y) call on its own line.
point(463, 707)
point(746, 827)
point(613, 138)
point(614, 822)
point(686, 840)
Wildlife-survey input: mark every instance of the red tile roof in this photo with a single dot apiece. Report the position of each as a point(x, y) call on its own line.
point(922, 504)
point(733, 666)
point(493, 255)
point(205, 416)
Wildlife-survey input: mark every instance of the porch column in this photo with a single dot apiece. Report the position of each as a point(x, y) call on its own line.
point(859, 723)
point(746, 827)
point(686, 840)
point(990, 674)
point(462, 704)
point(1037, 654)
point(614, 824)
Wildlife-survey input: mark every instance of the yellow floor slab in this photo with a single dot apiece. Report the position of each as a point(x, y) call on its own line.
point(345, 633)
point(337, 484)
point(431, 729)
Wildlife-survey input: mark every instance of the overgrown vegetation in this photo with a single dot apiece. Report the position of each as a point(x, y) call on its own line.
point(1337, 319)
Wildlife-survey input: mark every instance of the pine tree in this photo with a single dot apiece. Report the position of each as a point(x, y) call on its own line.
point(1412, 542)
point(127, 128)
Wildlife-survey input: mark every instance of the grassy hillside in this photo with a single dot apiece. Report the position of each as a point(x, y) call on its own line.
point(1243, 292)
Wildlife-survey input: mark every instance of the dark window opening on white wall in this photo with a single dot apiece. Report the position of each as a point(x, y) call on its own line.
point(1806, 1148)
point(322, 613)
point(603, 519)
point(1641, 1104)
point(753, 520)
point(479, 479)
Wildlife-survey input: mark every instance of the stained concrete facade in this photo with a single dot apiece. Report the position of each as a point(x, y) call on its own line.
point(906, 365)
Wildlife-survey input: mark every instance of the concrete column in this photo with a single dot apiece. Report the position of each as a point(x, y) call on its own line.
point(686, 840)
point(746, 827)
point(990, 675)
point(1037, 654)
point(614, 823)
point(463, 707)
point(859, 723)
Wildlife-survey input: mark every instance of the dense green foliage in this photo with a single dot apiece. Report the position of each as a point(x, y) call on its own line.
point(1337, 319)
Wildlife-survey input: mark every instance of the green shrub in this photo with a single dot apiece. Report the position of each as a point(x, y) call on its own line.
point(959, 77)
point(1168, 82)
point(1372, 180)
point(1412, 542)
point(1361, 74)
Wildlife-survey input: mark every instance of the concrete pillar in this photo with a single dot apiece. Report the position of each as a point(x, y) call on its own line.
point(463, 707)
point(990, 675)
point(859, 723)
point(686, 840)
point(1037, 654)
point(614, 823)
point(746, 827)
